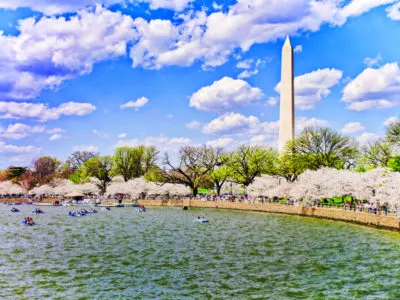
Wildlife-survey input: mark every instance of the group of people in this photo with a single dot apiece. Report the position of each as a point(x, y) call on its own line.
point(28, 220)
point(81, 212)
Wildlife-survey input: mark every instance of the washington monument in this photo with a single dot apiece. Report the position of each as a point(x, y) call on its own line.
point(286, 120)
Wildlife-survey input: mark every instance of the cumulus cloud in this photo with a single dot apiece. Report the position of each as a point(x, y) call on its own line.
point(312, 87)
point(193, 125)
point(46, 51)
point(238, 124)
point(373, 61)
point(352, 127)
point(298, 48)
point(55, 137)
point(88, 148)
point(394, 12)
point(367, 137)
point(371, 104)
point(214, 37)
point(19, 131)
point(122, 135)
point(42, 112)
point(49, 50)
point(224, 94)
point(391, 120)
point(13, 149)
point(221, 143)
point(135, 104)
point(248, 73)
point(51, 7)
point(374, 88)
point(303, 122)
point(55, 130)
point(161, 142)
point(272, 101)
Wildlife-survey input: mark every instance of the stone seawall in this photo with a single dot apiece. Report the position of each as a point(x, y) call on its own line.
point(380, 221)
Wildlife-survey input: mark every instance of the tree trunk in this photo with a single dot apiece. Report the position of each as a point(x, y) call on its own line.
point(195, 191)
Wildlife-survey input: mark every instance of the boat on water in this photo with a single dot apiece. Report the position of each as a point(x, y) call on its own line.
point(141, 208)
point(201, 220)
point(37, 211)
point(14, 210)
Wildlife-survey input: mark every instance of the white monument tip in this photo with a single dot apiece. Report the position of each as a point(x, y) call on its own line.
point(287, 42)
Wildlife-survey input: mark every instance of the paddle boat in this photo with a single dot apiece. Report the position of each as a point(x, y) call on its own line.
point(106, 208)
point(14, 210)
point(37, 211)
point(201, 220)
point(141, 208)
point(27, 222)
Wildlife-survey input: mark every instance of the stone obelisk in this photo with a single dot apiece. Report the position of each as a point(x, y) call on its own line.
point(286, 120)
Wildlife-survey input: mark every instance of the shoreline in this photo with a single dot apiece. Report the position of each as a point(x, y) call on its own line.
point(356, 217)
point(360, 218)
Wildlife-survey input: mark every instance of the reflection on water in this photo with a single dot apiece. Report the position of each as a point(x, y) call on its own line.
point(163, 254)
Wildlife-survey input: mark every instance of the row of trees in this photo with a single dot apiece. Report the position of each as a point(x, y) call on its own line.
point(206, 167)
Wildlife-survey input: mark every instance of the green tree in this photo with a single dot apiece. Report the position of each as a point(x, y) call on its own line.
point(325, 147)
point(134, 162)
point(99, 167)
point(376, 154)
point(219, 176)
point(249, 162)
point(193, 168)
point(15, 174)
point(393, 133)
point(79, 177)
point(394, 163)
point(291, 164)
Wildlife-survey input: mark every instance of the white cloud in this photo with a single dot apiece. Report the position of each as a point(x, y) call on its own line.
point(373, 61)
point(272, 101)
point(245, 64)
point(176, 5)
point(7, 148)
point(374, 88)
point(161, 142)
point(217, 6)
point(41, 112)
point(238, 124)
point(213, 38)
point(56, 136)
point(303, 122)
point(391, 120)
point(135, 104)
point(221, 143)
point(122, 135)
point(224, 94)
point(312, 87)
point(88, 148)
point(247, 73)
point(366, 138)
point(352, 127)
point(298, 48)
point(193, 125)
point(371, 104)
point(394, 11)
point(55, 130)
point(19, 131)
point(100, 133)
point(49, 50)
point(51, 7)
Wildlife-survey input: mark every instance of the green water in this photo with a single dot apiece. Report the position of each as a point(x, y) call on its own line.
point(163, 254)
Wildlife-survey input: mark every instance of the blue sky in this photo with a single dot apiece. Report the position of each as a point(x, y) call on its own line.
point(94, 75)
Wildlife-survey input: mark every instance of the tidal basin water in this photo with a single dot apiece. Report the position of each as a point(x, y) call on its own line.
point(163, 254)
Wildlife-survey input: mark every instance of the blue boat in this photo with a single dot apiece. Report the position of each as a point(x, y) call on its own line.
point(27, 223)
point(201, 220)
point(14, 210)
